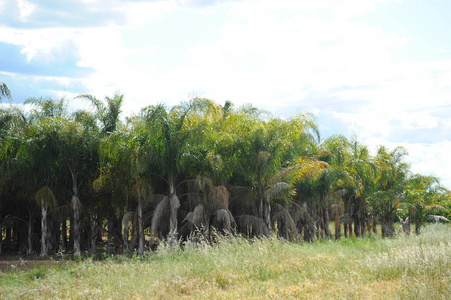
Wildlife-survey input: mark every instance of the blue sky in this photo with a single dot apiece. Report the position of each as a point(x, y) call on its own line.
point(379, 69)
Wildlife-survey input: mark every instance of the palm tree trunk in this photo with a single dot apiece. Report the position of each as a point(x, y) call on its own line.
point(337, 221)
point(267, 211)
point(388, 228)
point(110, 246)
point(374, 225)
point(417, 226)
point(44, 250)
point(362, 217)
point(324, 218)
point(326, 223)
point(125, 222)
point(356, 217)
point(76, 207)
point(29, 236)
point(264, 209)
point(174, 205)
point(140, 228)
point(93, 232)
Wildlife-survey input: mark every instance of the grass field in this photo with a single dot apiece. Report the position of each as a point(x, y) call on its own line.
point(413, 267)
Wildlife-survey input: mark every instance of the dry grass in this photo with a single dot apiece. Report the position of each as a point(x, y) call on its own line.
point(371, 268)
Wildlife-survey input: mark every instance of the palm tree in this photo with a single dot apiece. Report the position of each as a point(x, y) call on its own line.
point(36, 169)
point(307, 183)
point(268, 147)
point(77, 152)
point(140, 170)
point(107, 113)
point(45, 108)
point(170, 136)
point(391, 180)
point(354, 179)
point(422, 195)
point(13, 125)
point(114, 182)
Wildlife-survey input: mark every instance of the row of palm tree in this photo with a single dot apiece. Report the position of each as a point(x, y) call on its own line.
point(89, 180)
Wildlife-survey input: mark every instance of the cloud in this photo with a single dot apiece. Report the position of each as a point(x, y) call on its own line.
point(60, 61)
point(69, 13)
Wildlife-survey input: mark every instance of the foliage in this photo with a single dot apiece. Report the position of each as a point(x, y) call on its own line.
point(167, 172)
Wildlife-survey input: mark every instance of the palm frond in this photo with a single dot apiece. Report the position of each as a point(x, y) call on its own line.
point(278, 189)
point(219, 198)
point(223, 220)
point(45, 197)
point(161, 208)
point(195, 217)
point(4, 91)
point(251, 226)
point(94, 101)
point(285, 225)
point(437, 218)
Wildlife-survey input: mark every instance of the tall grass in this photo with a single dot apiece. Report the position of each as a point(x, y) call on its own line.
point(368, 268)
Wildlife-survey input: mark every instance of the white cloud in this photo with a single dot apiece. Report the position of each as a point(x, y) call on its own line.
point(25, 9)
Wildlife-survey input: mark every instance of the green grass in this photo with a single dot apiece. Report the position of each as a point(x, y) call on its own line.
point(413, 267)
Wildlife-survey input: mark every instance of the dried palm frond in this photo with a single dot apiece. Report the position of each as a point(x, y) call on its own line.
point(285, 225)
point(304, 221)
point(219, 198)
point(223, 220)
point(437, 218)
point(195, 217)
point(251, 226)
point(186, 230)
point(158, 213)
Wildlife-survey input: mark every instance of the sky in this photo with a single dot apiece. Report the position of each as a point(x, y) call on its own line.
point(376, 69)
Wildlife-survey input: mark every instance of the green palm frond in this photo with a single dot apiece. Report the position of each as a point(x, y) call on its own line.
point(4, 91)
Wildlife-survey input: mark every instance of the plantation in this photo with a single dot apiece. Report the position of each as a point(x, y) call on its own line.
point(89, 182)
point(405, 267)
